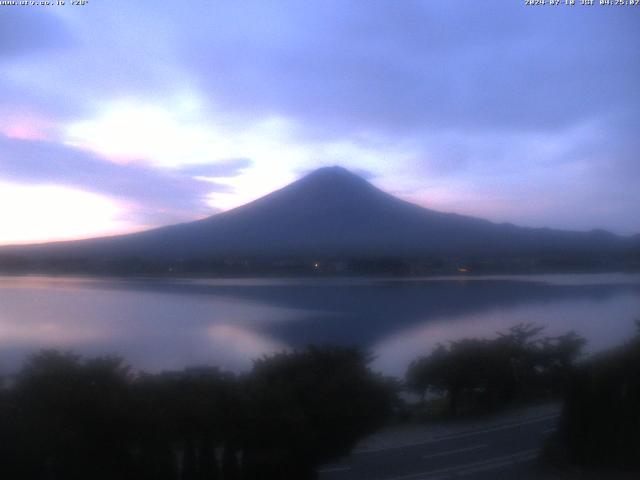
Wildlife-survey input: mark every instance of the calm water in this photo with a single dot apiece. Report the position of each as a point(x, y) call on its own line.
point(167, 324)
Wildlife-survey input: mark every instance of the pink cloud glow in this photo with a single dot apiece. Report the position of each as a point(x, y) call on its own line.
point(26, 126)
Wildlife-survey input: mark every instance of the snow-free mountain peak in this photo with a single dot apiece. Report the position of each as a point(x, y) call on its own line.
point(331, 213)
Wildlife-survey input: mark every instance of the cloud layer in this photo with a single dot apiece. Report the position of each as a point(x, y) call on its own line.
point(172, 194)
point(514, 113)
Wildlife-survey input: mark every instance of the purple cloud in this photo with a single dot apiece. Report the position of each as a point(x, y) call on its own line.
point(157, 195)
point(472, 93)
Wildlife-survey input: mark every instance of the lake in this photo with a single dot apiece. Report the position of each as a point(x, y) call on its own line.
point(158, 324)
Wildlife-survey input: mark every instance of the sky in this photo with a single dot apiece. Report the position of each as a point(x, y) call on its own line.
point(118, 116)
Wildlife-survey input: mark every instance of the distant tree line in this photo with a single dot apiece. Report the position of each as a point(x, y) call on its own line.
point(66, 418)
point(368, 265)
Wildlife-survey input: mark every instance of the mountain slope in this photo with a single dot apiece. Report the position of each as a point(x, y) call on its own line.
point(331, 212)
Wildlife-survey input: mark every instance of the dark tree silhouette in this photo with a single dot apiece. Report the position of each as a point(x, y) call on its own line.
point(70, 418)
point(600, 423)
point(485, 374)
point(311, 406)
point(67, 418)
point(182, 418)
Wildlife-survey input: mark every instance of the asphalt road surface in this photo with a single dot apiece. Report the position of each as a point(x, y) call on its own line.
point(499, 450)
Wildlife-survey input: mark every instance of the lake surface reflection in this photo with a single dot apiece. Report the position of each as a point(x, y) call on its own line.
point(168, 324)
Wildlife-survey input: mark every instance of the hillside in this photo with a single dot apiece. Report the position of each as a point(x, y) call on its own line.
point(331, 213)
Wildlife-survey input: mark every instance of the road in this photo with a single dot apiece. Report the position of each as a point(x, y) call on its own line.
point(504, 448)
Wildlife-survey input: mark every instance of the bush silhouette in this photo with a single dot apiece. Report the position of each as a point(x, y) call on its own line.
point(311, 406)
point(69, 418)
point(485, 374)
point(600, 424)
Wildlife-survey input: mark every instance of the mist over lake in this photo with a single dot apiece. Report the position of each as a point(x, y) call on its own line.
point(159, 324)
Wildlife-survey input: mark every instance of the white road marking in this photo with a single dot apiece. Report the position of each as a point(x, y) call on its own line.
point(475, 467)
point(458, 450)
point(495, 429)
point(458, 435)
